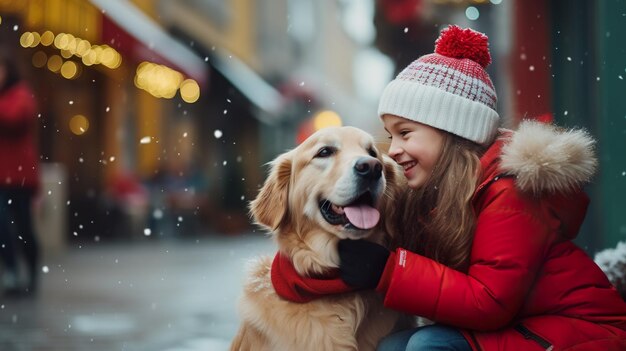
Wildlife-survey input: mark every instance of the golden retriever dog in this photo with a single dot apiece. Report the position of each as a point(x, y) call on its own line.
point(333, 186)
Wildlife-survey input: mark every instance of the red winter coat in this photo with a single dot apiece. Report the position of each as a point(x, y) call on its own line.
point(18, 151)
point(528, 286)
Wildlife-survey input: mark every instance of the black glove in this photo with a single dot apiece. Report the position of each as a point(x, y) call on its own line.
point(361, 263)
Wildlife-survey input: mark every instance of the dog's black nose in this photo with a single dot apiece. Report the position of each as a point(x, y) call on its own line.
point(369, 168)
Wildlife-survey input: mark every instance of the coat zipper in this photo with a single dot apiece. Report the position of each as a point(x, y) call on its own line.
point(536, 338)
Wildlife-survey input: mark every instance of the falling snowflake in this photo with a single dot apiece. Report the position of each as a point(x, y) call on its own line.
point(145, 140)
point(217, 134)
point(45, 269)
point(157, 214)
point(406, 29)
point(147, 231)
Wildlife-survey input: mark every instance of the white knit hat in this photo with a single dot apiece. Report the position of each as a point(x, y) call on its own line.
point(449, 89)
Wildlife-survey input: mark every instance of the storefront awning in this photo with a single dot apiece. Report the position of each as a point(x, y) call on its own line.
point(259, 92)
point(248, 82)
point(144, 39)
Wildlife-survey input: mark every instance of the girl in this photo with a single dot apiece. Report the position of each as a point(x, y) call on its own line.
point(486, 250)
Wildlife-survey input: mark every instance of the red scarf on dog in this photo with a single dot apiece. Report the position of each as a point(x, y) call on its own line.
point(294, 287)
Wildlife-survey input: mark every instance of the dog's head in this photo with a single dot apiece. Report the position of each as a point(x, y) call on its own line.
point(335, 181)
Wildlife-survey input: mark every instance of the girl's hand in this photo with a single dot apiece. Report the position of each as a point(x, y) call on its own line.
point(361, 263)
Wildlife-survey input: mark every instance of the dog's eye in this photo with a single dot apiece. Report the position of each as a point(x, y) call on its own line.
point(325, 152)
point(372, 152)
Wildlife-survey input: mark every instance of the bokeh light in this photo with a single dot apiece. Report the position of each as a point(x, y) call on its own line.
point(61, 40)
point(161, 81)
point(54, 63)
point(69, 70)
point(66, 53)
point(47, 38)
point(325, 119)
point(83, 47)
point(79, 124)
point(40, 59)
point(472, 13)
point(36, 39)
point(27, 39)
point(189, 91)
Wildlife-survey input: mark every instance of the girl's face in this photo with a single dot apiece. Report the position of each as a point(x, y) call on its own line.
point(414, 146)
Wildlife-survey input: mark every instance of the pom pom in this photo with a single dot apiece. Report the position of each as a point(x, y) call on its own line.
point(464, 43)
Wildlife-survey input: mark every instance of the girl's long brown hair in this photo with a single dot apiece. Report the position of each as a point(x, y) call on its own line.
point(438, 220)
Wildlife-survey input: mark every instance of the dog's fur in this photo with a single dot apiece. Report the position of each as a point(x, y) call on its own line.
point(289, 205)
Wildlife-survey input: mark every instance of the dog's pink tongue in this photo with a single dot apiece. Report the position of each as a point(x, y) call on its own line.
point(362, 216)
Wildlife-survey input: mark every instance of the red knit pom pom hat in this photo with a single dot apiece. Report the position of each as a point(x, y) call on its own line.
point(449, 89)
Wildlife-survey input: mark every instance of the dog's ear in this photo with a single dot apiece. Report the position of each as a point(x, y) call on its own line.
point(270, 207)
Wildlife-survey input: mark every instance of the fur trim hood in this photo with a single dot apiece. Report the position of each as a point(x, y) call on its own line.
point(545, 158)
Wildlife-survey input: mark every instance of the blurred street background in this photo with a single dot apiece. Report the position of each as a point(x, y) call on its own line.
point(155, 119)
point(158, 296)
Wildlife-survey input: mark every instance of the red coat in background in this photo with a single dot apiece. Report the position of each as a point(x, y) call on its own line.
point(18, 150)
point(528, 286)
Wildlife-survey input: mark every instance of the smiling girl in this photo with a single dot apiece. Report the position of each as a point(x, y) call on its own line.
point(485, 251)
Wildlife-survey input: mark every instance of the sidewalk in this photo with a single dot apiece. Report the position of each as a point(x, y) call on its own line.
point(152, 296)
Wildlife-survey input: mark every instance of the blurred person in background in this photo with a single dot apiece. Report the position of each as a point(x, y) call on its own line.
point(19, 178)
